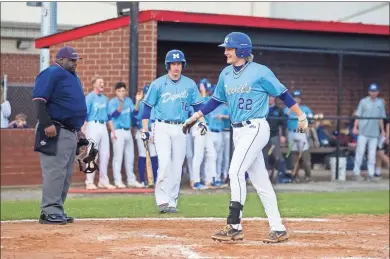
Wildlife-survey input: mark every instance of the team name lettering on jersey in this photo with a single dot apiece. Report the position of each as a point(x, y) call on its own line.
point(97, 106)
point(166, 97)
point(242, 89)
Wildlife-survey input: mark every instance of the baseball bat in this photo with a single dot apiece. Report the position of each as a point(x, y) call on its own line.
point(296, 166)
point(149, 171)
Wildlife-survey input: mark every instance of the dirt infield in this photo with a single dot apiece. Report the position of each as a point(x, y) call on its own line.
point(336, 237)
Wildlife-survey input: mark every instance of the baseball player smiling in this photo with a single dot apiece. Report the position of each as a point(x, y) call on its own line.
point(170, 95)
point(245, 86)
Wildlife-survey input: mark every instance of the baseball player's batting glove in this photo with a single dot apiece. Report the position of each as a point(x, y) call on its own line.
point(302, 123)
point(202, 128)
point(191, 122)
point(145, 136)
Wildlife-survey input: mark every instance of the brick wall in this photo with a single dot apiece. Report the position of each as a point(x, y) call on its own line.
point(107, 54)
point(20, 68)
point(316, 75)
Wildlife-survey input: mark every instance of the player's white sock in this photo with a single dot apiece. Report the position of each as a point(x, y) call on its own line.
point(236, 226)
point(378, 171)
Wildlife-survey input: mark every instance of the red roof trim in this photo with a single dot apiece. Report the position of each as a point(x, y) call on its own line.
point(217, 19)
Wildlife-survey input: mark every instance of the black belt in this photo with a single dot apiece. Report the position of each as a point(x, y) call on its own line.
point(241, 124)
point(171, 122)
point(226, 130)
point(123, 128)
point(216, 131)
point(101, 122)
point(64, 126)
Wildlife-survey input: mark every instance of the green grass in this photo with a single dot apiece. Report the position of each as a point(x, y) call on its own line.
point(211, 205)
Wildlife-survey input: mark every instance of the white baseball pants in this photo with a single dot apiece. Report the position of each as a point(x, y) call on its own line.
point(248, 157)
point(123, 145)
point(190, 154)
point(217, 140)
point(362, 141)
point(170, 144)
point(204, 149)
point(99, 134)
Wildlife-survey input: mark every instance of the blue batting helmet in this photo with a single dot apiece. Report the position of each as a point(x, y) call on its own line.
point(145, 89)
point(206, 83)
point(175, 56)
point(296, 93)
point(239, 41)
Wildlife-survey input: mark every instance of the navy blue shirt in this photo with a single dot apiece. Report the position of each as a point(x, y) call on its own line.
point(64, 95)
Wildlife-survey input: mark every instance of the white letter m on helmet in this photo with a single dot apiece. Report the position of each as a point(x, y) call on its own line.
point(176, 55)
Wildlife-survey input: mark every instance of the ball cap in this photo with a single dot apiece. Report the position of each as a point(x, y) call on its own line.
point(296, 93)
point(67, 52)
point(373, 88)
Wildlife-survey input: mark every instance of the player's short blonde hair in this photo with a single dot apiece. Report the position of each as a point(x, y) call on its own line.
point(95, 78)
point(250, 58)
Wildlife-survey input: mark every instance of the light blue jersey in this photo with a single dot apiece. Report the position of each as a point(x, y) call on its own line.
point(225, 111)
point(214, 124)
point(293, 124)
point(138, 117)
point(246, 92)
point(171, 100)
point(124, 119)
point(97, 107)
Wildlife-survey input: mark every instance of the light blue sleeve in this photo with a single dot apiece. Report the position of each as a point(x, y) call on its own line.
point(89, 101)
point(196, 97)
point(152, 95)
point(111, 106)
point(359, 110)
point(271, 84)
point(220, 93)
point(308, 111)
point(285, 110)
point(383, 109)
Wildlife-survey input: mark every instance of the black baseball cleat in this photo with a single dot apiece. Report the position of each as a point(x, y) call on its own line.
point(69, 219)
point(276, 237)
point(172, 210)
point(228, 233)
point(55, 219)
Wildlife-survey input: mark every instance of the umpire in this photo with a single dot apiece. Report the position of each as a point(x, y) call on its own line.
point(271, 152)
point(59, 102)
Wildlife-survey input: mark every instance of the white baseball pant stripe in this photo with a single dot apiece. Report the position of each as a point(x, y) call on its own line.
point(141, 146)
point(248, 157)
point(170, 144)
point(99, 134)
point(217, 139)
point(362, 141)
point(123, 145)
point(226, 153)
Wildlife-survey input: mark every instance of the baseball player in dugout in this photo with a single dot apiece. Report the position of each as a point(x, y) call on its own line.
point(60, 106)
point(369, 131)
point(170, 95)
point(96, 129)
point(272, 152)
point(298, 142)
point(121, 110)
point(245, 86)
point(141, 146)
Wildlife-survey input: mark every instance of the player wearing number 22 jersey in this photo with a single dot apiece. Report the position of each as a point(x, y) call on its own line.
point(245, 86)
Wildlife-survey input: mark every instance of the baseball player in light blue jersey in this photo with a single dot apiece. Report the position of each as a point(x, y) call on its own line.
point(216, 125)
point(245, 86)
point(121, 109)
point(141, 146)
point(96, 129)
point(204, 151)
point(170, 95)
point(226, 142)
point(297, 141)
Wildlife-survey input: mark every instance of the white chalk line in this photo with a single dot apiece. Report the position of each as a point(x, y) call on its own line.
point(320, 232)
point(176, 219)
point(350, 258)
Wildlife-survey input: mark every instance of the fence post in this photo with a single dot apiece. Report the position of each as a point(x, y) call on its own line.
point(339, 96)
point(133, 44)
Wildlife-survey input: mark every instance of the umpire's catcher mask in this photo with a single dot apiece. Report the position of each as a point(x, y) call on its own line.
point(85, 158)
